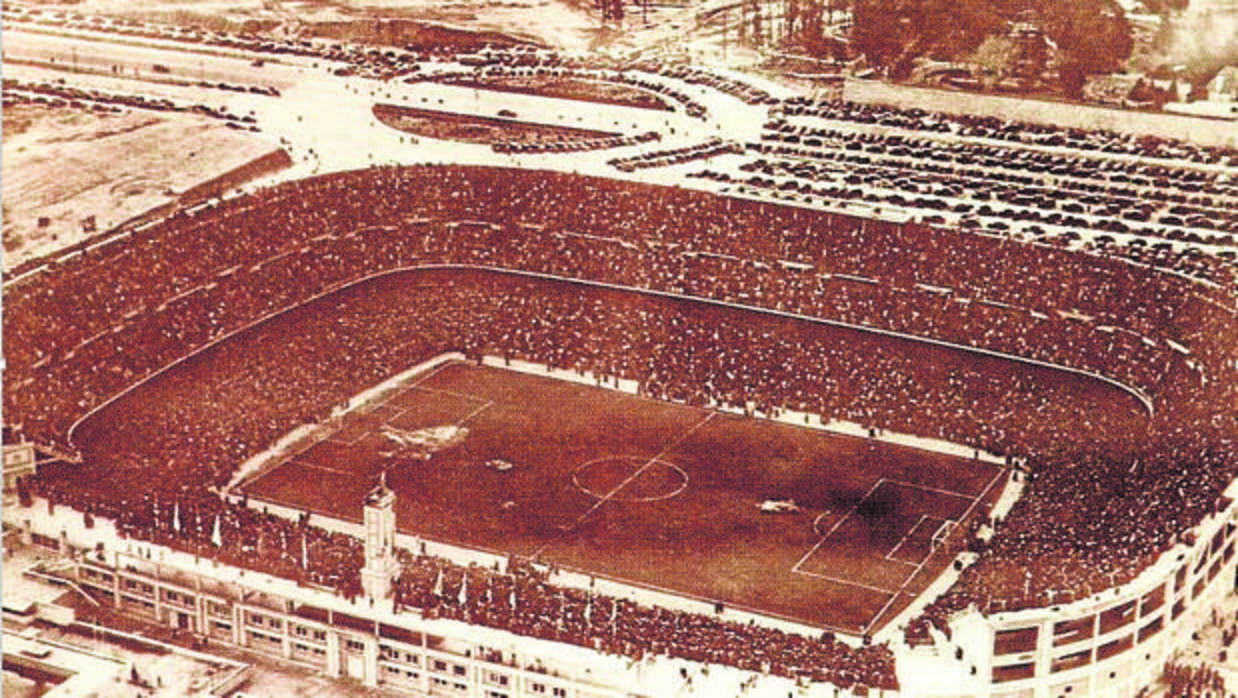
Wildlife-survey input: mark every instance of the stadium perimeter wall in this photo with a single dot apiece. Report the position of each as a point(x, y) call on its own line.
point(1109, 645)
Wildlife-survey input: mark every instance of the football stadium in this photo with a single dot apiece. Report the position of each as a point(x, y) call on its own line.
point(839, 402)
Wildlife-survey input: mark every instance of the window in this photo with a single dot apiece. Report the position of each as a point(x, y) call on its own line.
point(1071, 661)
point(1015, 641)
point(1014, 672)
point(1117, 616)
point(1151, 629)
point(497, 679)
point(1069, 631)
point(1115, 647)
point(1152, 600)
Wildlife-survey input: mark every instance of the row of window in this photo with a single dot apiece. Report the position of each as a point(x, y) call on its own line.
point(1066, 632)
point(259, 627)
point(96, 575)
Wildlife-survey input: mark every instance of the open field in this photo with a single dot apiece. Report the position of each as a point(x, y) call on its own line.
point(649, 492)
point(66, 165)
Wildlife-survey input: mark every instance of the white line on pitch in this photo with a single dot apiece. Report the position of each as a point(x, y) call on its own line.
point(918, 486)
point(310, 464)
point(813, 549)
point(474, 413)
point(836, 580)
point(906, 536)
point(466, 396)
point(638, 472)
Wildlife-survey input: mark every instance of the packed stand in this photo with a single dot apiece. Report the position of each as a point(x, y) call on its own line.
point(522, 600)
point(141, 303)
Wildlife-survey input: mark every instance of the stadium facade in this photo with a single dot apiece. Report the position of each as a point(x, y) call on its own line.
point(1111, 644)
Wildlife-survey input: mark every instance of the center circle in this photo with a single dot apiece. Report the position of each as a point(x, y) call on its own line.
point(630, 479)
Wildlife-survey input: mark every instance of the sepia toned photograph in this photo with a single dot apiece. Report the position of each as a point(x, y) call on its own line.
point(606, 349)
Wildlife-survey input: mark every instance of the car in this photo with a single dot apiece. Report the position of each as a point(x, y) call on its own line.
point(500, 465)
point(507, 113)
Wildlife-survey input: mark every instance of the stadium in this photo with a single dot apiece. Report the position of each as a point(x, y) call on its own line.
point(506, 429)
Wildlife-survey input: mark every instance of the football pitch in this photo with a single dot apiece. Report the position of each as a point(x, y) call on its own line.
point(646, 492)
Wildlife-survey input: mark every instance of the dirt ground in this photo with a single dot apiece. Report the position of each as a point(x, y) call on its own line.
point(565, 23)
point(66, 165)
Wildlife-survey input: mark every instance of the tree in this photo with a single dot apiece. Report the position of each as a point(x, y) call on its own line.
point(1073, 79)
point(1093, 34)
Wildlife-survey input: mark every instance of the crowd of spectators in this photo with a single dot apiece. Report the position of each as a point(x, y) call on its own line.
point(852, 280)
point(87, 325)
point(522, 599)
point(162, 489)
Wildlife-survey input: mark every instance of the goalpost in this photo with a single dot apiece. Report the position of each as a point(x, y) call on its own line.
point(942, 535)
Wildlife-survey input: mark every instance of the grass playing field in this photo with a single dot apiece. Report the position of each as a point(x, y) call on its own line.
point(649, 492)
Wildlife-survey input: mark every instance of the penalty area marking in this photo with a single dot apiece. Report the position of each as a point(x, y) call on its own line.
point(847, 582)
point(483, 405)
point(889, 555)
point(795, 569)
